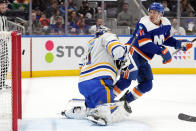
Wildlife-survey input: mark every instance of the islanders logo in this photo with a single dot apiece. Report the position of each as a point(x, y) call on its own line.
point(49, 46)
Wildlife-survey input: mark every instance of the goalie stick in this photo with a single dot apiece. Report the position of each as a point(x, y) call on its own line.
point(174, 53)
point(186, 117)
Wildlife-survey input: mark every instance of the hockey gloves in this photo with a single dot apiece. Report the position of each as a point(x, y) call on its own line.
point(165, 55)
point(129, 72)
point(184, 45)
point(129, 69)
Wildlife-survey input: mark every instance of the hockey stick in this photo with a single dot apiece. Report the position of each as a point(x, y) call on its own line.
point(186, 117)
point(182, 47)
point(134, 39)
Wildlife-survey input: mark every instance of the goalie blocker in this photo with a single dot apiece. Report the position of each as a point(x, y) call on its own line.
point(103, 114)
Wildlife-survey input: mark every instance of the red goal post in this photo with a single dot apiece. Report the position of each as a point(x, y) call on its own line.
point(10, 87)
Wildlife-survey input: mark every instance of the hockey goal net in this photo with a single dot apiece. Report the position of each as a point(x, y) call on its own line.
point(10, 80)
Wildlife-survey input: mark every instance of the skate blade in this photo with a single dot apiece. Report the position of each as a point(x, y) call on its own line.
point(99, 121)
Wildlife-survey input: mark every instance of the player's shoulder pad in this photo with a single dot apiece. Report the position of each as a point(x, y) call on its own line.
point(145, 21)
point(165, 21)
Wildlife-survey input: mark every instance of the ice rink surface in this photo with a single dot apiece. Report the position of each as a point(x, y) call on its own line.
point(44, 99)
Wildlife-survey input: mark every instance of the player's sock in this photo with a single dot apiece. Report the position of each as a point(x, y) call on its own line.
point(132, 95)
point(116, 91)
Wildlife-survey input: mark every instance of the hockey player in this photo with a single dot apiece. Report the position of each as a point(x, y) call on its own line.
point(150, 37)
point(97, 77)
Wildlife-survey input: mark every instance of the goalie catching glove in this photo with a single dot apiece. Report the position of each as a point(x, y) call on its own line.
point(127, 67)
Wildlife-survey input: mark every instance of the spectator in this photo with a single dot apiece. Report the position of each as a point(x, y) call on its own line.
point(83, 28)
point(94, 28)
point(44, 22)
point(175, 30)
point(53, 17)
point(38, 13)
point(112, 10)
point(59, 27)
point(190, 22)
point(51, 9)
point(165, 6)
point(84, 9)
point(36, 26)
point(71, 7)
point(42, 4)
point(185, 7)
point(125, 18)
point(73, 17)
point(20, 5)
point(99, 13)
point(73, 23)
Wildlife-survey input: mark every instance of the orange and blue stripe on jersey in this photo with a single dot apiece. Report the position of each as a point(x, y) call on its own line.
point(144, 41)
point(100, 67)
point(111, 45)
point(141, 53)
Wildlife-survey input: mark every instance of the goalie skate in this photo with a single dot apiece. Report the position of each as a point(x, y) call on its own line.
point(97, 120)
point(75, 109)
point(108, 113)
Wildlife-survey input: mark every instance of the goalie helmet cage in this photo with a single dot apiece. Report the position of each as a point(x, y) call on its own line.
point(10, 81)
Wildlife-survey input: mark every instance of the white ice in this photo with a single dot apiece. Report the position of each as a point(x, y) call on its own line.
point(44, 99)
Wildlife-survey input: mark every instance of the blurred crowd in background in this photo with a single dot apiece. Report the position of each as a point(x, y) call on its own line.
point(82, 17)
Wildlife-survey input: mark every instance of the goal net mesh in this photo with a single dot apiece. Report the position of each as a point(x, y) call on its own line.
point(5, 81)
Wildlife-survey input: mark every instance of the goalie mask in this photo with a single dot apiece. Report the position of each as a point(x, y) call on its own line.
point(101, 30)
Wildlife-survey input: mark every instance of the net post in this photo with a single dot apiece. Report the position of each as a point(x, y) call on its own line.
point(14, 83)
point(19, 76)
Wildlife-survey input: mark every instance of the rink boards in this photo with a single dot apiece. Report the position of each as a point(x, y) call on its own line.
point(44, 56)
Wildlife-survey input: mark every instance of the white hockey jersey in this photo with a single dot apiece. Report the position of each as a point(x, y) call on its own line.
point(99, 57)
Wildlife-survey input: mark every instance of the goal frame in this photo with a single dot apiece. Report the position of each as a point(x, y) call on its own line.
point(16, 79)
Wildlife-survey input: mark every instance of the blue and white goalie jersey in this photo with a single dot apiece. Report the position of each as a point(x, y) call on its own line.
point(98, 59)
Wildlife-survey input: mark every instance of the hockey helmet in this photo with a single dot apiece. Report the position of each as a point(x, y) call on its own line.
point(157, 6)
point(101, 30)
